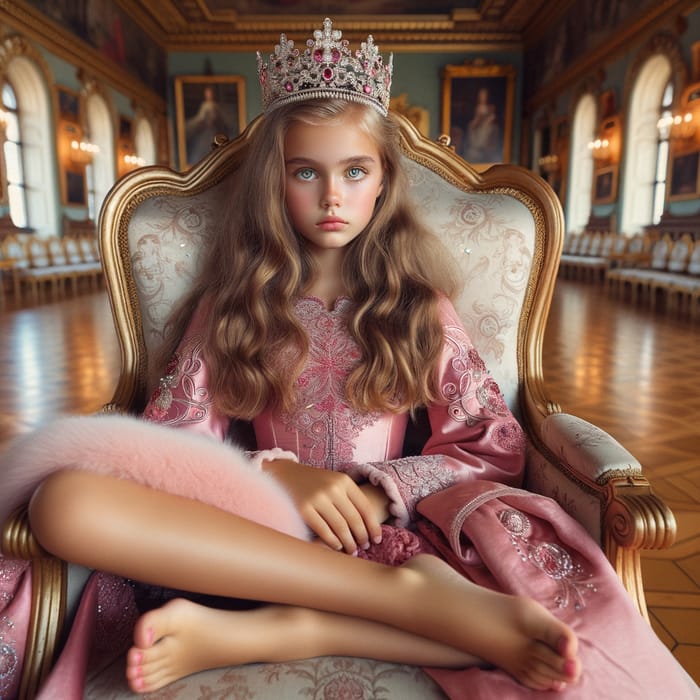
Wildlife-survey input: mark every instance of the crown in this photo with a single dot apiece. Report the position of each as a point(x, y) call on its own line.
point(326, 68)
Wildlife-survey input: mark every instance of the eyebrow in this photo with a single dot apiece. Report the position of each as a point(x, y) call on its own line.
point(301, 160)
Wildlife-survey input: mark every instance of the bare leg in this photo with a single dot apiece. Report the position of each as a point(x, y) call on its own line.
point(137, 532)
point(184, 637)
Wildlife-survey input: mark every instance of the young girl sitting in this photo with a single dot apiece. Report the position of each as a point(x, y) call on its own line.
point(322, 318)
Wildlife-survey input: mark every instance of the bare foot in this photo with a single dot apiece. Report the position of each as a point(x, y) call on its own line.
point(514, 633)
point(183, 637)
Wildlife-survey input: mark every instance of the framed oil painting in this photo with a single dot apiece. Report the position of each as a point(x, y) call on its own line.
point(68, 104)
point(477, 111)
point(684, 176)
point(605, 185)
point(75, 188)
point(206, 106)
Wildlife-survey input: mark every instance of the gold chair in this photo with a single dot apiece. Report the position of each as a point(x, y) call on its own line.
point(505, 227)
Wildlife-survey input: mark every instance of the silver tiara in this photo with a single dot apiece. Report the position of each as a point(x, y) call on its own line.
point(326, 68)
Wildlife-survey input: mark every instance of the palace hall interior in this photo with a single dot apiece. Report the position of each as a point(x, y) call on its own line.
point(592, 108)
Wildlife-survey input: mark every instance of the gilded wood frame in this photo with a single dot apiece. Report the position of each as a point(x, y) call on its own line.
point(605, 184)
point(478, 99)
point(205, 106)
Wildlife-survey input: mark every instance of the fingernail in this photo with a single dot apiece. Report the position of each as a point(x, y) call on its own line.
point(365, 545)
point(138, 657)
point(149, 635)
point(377, 539)
point(355, 553)
point(570, 667)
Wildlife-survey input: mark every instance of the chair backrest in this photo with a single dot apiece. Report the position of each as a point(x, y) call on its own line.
point(694, 259)
point(660, 252)
point(571, 244)
point(57, 252)
point(15, 248)
point(607, 244)
point(595, 243)
point(680, 253)
point(38, 252)
point(72, 248)
point(620, 245)
point(504, 226)
point(584, 243)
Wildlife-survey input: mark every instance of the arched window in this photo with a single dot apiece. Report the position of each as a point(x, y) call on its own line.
point(664, 127)
point(101, 172)
point(578, 207)
point(641, 158)
point(14, 161)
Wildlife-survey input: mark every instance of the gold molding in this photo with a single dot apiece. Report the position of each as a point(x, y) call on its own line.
point(660, 14)
point(37, 27)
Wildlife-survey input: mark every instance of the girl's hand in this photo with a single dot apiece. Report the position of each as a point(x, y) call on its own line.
point(331, 504)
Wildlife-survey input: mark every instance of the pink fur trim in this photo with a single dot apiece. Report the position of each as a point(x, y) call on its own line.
point(176, 461)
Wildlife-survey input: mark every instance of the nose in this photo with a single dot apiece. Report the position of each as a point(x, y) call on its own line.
point(331, 194)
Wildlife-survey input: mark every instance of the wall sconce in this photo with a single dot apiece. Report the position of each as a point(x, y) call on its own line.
point(134, 161)
point(678, 126)
point(82, 152)
point(600, 149)
point(549, 163)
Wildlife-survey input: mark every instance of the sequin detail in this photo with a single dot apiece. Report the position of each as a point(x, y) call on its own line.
point(9, 662)
point(550, 558)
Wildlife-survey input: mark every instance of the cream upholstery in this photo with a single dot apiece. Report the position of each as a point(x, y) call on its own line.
point(505, 227)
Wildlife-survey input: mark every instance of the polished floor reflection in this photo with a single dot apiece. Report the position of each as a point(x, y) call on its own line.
point(632, 372)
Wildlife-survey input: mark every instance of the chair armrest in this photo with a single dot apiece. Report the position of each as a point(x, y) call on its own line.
point(586, 449)
point(633, 518)
point(49, 576)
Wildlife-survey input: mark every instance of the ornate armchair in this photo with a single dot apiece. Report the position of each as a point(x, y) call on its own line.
point(505, 227)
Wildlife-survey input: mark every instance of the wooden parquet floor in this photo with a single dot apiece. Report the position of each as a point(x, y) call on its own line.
point(633, 372)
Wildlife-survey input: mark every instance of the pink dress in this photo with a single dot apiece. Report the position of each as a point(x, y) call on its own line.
point(457, 497)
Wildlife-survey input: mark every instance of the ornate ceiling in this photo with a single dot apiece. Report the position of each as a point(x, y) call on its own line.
point(210, 25)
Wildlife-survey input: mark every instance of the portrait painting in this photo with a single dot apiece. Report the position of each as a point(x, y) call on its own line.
point(68, 104)
point(605, 185)
point(477, 111)
point(684, 176)
point(75, 192)
point(207, 106)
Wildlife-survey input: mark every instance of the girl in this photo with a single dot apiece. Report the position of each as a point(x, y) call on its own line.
point(322, 317)
point(331, 259)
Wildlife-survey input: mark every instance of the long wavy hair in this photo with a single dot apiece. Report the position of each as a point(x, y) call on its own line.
point(257, 265)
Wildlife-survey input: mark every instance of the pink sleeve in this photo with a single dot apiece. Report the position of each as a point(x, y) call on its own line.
point(182, 398)
point(473, 434)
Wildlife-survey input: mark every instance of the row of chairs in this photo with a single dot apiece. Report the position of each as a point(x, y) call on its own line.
point(35, 269)
point(589, 255)
point(671, 274)
point(644, 268)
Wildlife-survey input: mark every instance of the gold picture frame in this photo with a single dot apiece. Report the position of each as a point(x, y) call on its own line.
point(206, 106)
point(477, 111)
point(684, 173)
point(605, 185)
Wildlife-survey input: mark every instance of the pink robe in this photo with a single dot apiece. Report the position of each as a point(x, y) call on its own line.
point(458, 499)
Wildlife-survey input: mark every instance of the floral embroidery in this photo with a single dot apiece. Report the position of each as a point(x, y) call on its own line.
point(189, 405)
point(550, 558)
point(327, 424)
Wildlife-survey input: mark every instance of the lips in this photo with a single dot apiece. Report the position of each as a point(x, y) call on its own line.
point(331, 223)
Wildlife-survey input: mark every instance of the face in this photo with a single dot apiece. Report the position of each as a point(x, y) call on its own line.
point(333, 178)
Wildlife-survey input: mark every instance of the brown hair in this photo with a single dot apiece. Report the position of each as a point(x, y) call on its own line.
point(257, 265)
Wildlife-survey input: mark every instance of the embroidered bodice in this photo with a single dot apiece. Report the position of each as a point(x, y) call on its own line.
point(472, 432)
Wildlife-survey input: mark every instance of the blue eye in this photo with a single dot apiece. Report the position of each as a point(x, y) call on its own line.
point(356, 172)
point(305, 173)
